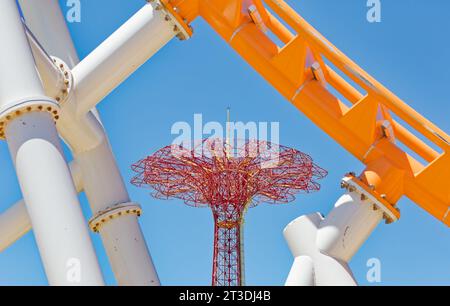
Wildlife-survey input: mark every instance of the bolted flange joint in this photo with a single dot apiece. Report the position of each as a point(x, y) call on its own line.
point(67, 78)
point(16, 109)
point(113, 212)
point(180, 26)
point(351, 183)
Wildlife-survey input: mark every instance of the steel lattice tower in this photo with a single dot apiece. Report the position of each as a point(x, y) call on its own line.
point(229, 180)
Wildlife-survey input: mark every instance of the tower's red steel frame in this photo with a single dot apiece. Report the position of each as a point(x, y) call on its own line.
point(228, 180)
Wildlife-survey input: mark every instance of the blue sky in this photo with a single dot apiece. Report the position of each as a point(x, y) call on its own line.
point(406, 52)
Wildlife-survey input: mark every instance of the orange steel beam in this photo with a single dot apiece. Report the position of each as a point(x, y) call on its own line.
point(298, 70)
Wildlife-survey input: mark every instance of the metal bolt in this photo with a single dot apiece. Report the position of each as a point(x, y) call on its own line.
point(387, 219)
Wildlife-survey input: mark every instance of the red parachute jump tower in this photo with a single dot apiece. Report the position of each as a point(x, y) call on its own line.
point(229, 180)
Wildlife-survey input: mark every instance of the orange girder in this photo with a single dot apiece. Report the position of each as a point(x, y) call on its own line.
point(366, 128)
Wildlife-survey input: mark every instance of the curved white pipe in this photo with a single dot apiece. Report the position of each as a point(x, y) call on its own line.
point(302, 272)
point(311, 266)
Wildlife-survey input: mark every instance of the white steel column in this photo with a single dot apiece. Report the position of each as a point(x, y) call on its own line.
point(15, 222)
point(47, 23)
point(43, 174)
point(122, 237)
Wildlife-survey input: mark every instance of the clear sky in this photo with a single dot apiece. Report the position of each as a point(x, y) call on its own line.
point(407, 51)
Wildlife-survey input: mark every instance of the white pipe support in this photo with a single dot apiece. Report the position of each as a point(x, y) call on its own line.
point(49, 34)
point(20, 87)
point(331, 242)
point(52, 203)
point(115, 218)
point(81, 133)
point(15, 221)
point(144, 34)
point(311, 266)
point(14, 224)
point(44, 177)
point(104, 187)
point(348, 226)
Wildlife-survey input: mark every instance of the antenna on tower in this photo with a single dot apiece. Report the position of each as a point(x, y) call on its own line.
point(228, 136)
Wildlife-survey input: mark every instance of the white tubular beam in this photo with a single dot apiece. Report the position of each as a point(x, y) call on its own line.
point(52, 27)
point(103, 184)
point(47, 23)
point(51, 200)
point(15, 222)
point(120, 55)
point(42, 171)
point(122, 237)
point(348, 226)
